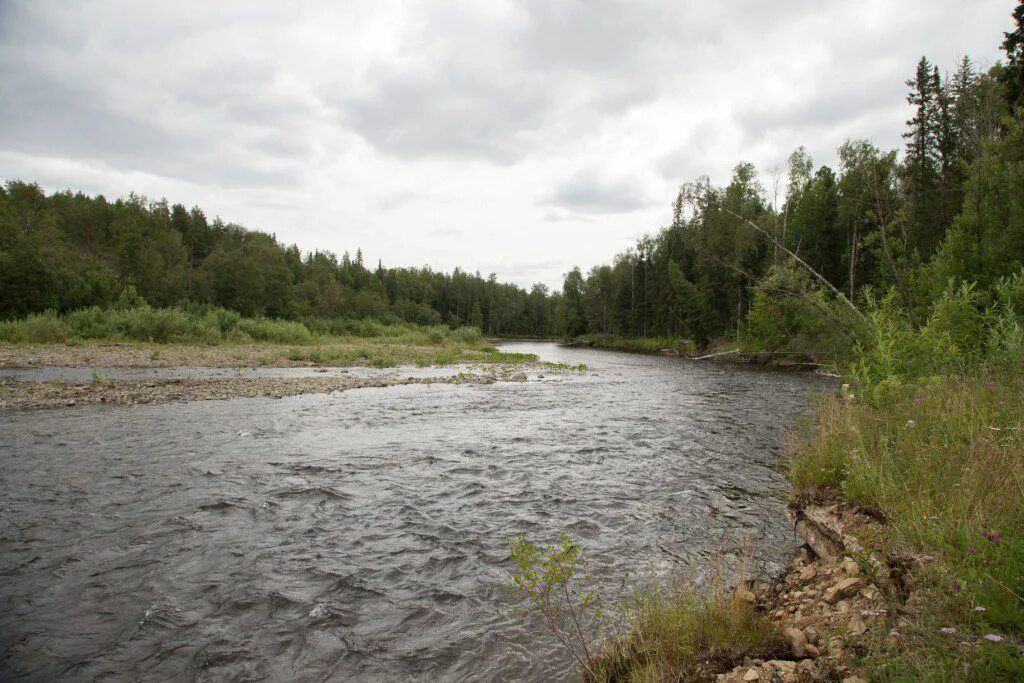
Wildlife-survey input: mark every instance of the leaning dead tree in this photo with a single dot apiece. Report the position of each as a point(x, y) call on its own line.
point(815, 274)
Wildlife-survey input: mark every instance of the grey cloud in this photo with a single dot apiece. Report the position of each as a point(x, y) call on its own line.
point(831, 103)
point(47, 117)
point(451, 114)
point(588, 192)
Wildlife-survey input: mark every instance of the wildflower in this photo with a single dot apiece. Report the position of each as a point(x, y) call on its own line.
point(927, 558)
point(873, 612)
point(956, 585)
point(979, 608)
point(911, 424)
point(971, 549)
point(894, 633)
point(948, 630)
point(995, 537)
point(993, 638)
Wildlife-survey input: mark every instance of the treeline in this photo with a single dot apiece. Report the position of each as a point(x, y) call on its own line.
point(68, 251)
point(783, 273)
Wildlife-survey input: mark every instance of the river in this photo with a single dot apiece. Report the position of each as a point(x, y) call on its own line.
point(364, 534)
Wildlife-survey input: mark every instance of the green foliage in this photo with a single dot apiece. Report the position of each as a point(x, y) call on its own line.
point(610, 341)
point(681, 632)
point(790, 314)
point(69, 251)
point(550, 585)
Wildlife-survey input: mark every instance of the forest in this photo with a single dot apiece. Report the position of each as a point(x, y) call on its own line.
point(69, 251)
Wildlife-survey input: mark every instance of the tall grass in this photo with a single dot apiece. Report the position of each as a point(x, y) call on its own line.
point(944, 461)
point(681, 633)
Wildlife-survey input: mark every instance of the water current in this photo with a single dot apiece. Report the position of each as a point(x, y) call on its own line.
point(364, 534)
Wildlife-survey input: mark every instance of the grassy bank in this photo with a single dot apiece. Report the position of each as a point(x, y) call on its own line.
point(176, 334)
point(944, 461)
point(680, 633)
point(638, 344)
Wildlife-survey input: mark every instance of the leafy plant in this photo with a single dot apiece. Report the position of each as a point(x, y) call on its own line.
point(550, 586)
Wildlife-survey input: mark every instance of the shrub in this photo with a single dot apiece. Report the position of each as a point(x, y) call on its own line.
point(279, 331)
point(42, 328)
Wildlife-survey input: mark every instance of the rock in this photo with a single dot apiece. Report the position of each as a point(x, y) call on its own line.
point(518, 377)
point(70, 402)
point(808, 572)
point(752, 675)
point(784, 670)
point(835, 647)
point(805, 666)
point(857, 626)
point(844, 589)
point(745, 594)
point(784, 667)
point(854, 679)
point(851, 567)
point(812, 651)
point(811, 635)
point(797, 642)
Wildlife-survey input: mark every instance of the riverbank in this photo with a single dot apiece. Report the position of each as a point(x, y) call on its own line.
point(684, 348)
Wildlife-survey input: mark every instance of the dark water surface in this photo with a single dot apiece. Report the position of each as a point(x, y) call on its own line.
point(363, 535)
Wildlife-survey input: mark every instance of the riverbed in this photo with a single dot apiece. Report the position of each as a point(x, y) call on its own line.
point(364, 534)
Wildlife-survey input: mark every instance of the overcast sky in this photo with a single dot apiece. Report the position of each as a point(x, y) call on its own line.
point(520, 138)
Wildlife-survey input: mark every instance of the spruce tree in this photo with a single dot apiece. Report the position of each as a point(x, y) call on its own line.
point(923, 158)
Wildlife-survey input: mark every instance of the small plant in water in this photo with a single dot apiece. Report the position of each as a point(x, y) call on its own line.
point(550, 587)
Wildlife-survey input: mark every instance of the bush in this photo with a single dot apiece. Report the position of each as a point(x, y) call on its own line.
point(467, 335)
point(895, 353)
point(789, 313)
point(42, 328)
point(279, 331)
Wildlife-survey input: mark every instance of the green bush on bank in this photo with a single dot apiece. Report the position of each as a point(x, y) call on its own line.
point(214, 326)
point(966, 329)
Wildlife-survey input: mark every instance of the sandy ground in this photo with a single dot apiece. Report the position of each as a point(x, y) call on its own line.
point(20, 395)
point(16, 394)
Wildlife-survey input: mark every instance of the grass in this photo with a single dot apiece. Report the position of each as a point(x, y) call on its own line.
point(326, 342)
point(681, 633)
point(355, 351)
point(944, 461)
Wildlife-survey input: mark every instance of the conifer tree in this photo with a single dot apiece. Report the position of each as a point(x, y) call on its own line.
point(922, 171)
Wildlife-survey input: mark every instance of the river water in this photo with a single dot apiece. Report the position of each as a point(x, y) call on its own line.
point(364, 534)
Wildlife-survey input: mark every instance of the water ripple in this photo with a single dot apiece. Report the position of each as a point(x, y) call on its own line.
point(364, 535)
